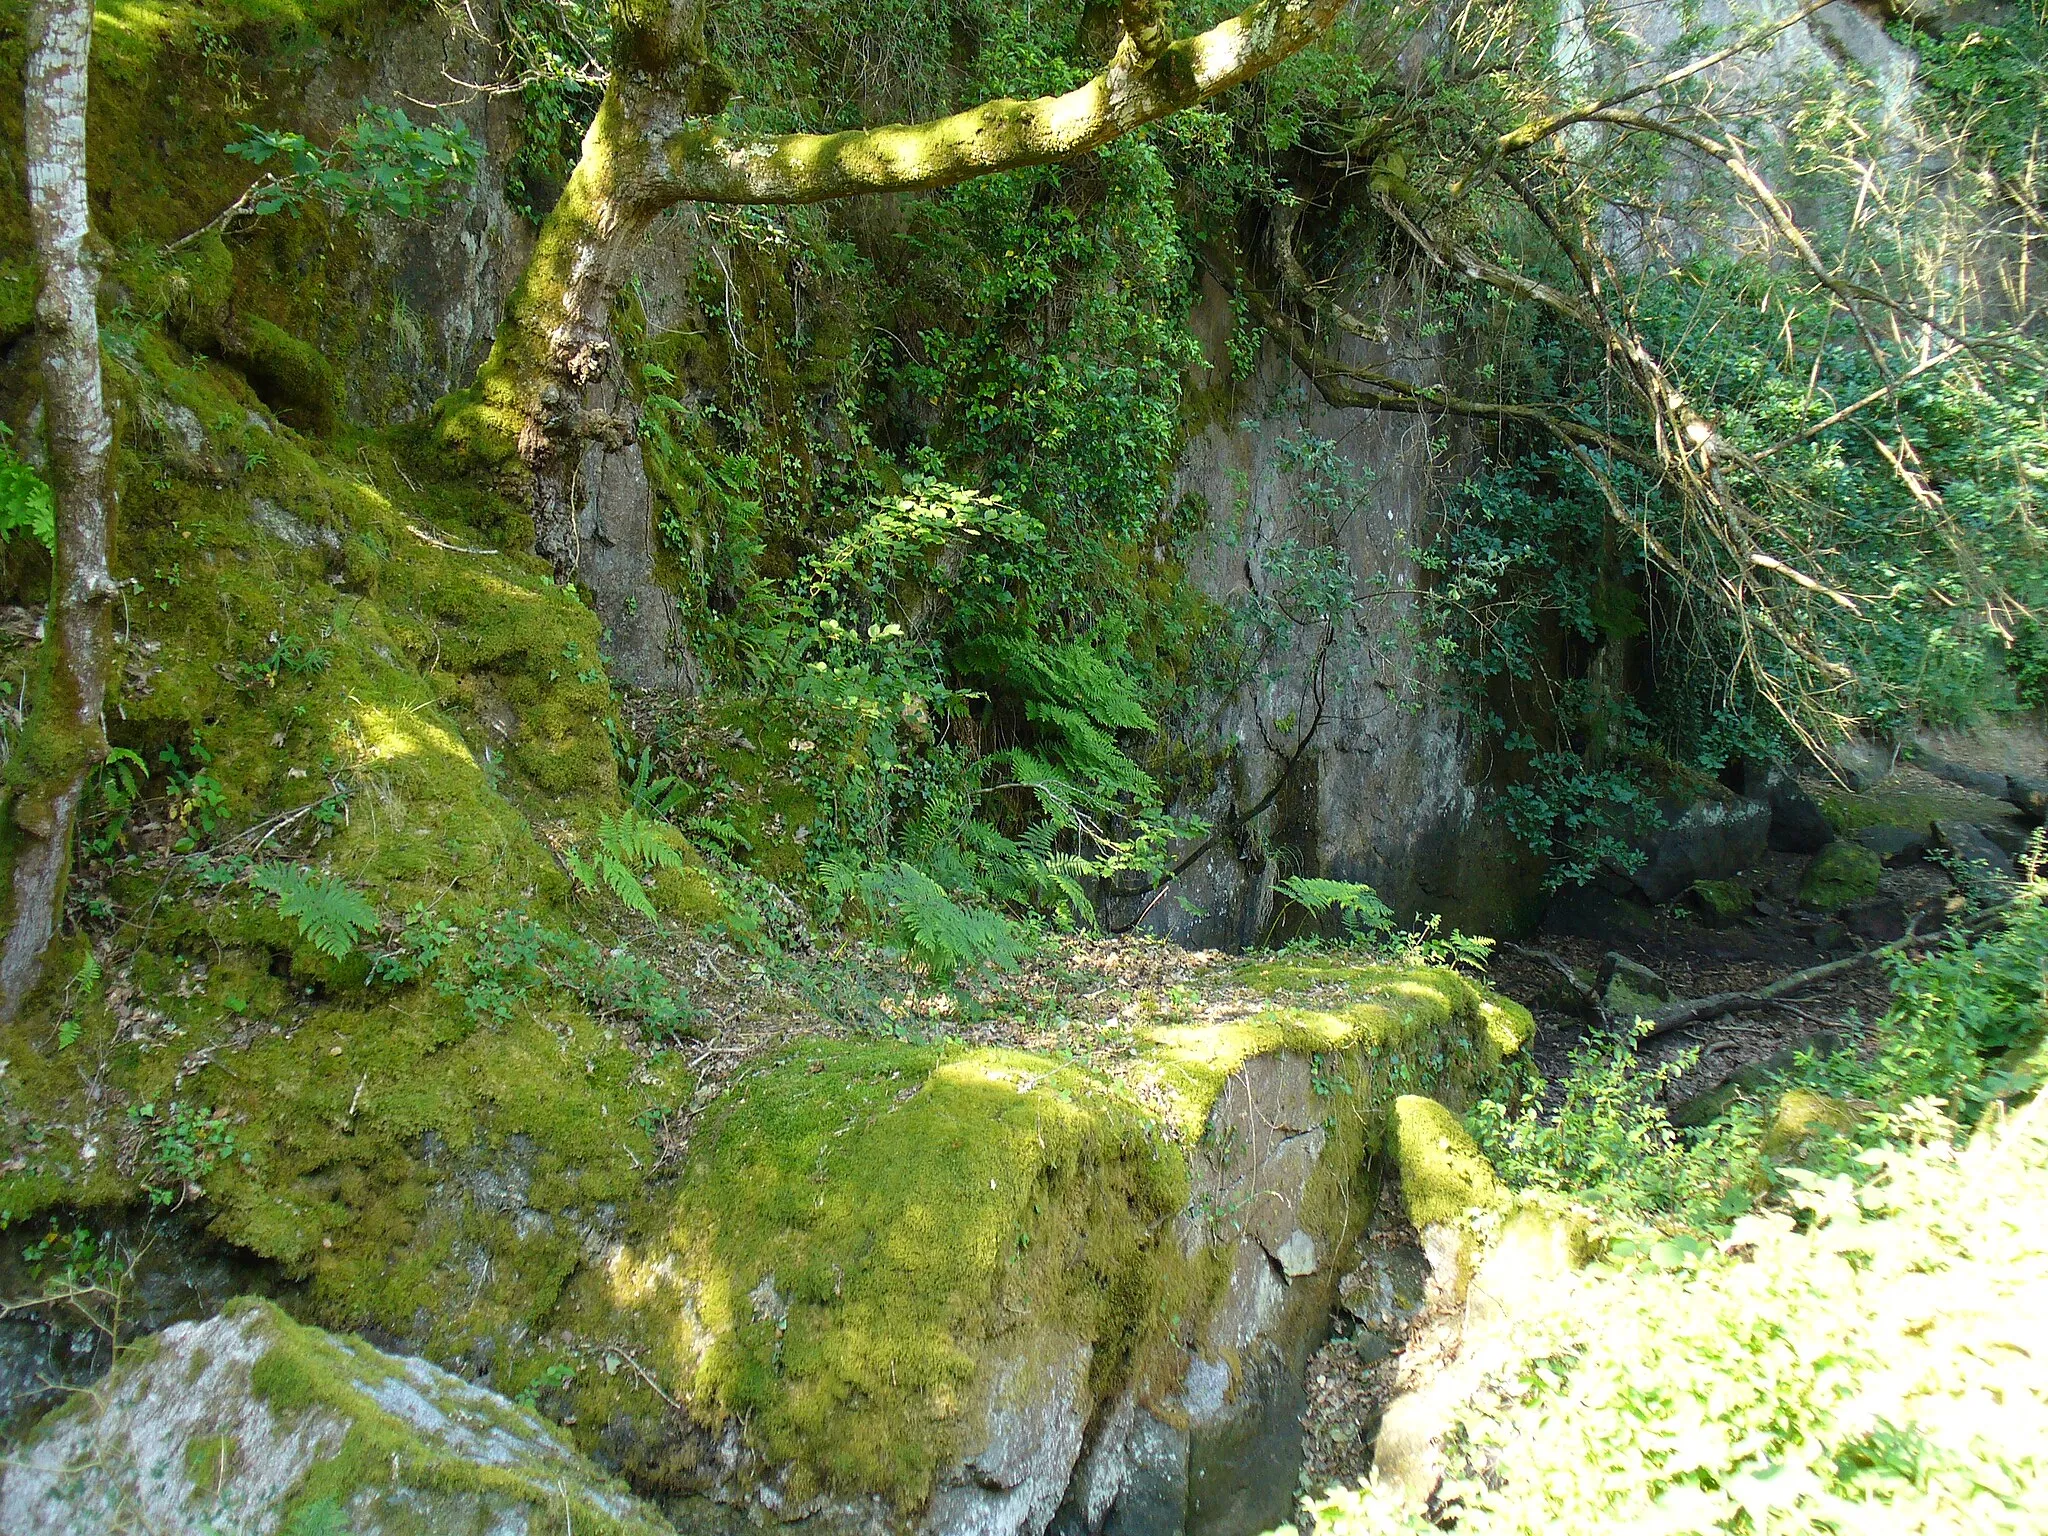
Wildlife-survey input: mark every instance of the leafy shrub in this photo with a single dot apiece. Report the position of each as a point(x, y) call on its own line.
point(332, 915)
point(1609, 1144)
point(382, 163)
point(1863, 1367)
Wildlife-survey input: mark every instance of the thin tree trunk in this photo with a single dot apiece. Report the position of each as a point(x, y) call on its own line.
point(65, 732)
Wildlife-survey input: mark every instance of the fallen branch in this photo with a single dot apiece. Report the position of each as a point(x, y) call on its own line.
point(1697, 1010)
point(1589, 997)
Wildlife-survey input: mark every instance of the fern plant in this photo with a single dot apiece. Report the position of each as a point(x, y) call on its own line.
point(78, 996)
point(652, 794)
point(942, 934)
point(629, 845)
point(1358, 907)
point(332, 915)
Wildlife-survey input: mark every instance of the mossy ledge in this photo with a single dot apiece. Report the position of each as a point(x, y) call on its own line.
point(880, 1254)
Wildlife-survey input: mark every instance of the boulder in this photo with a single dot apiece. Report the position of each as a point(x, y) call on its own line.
point(251, 1422)
point(1386, 1289)
point(1722, 902)
point(1798, 824)
point(1628, 988)
point(1895, 845)
point(2004, 835)
point(1803, 1117)
point(1707, 839)
point(1980, 866)
point(2029, 795)
point(1841, 873)
point(1861, 764)
point(1981, 780)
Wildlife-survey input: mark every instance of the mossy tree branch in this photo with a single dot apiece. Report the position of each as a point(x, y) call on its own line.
point(65, 732)
point(656, 141)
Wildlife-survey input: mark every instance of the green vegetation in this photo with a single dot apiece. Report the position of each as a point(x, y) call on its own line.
point(1856, 1361)
point(1804, 1312)
point(710, 1061)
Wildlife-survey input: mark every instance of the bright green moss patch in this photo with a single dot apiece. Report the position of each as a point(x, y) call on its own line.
point(1444, 1175)
point(862, 1219)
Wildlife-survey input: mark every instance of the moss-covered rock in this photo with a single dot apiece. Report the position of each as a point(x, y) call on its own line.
point(1840, 873)
point(869, 1238)
point(1803, 1117)
point(253, 1422)
point(1721, 902)
point(1444, 1175)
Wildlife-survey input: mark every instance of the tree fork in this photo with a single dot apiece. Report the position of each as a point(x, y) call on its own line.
point(654, 143)
point(65, 731)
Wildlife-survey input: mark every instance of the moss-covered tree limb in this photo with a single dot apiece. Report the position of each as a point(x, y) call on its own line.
point(656, 142)
point(65, 731)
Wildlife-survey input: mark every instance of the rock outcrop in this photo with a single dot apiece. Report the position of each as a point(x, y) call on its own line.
point(252, 1423)
point(979, 1294)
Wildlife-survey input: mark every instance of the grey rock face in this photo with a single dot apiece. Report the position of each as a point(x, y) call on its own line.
point(1895, 845)
point(1983, 781)
point(1706, 840)
point(1861, 764)
point(226, 1425)
point(1798, 825)
point(1980, 865)
point(1036, 1415)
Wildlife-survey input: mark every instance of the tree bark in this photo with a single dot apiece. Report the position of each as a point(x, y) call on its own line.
point(65, 732)
point(655, 143)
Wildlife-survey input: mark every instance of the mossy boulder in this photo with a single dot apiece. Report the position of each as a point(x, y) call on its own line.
point(1802, 1117)
point(1841, 873)
point(1444, 1175)
point(878, 1253)
point(1722, 902)
point(252, 1422)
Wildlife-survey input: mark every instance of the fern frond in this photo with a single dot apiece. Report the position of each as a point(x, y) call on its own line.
point(331, 914)
point(1359, 906)
point(639, 842)
point(625, 884)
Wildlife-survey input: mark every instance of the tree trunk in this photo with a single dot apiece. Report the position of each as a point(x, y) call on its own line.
point(65, 731)
point(655, 142)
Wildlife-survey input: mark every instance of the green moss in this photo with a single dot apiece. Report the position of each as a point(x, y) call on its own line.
point(211, 1460)
point(861, 1219)
point(862, 1225)
point(384, 1464)
point(467, 745)
point(1444, 1176)
point(1840, 873)
point(1916, 808)
point(1723, 901)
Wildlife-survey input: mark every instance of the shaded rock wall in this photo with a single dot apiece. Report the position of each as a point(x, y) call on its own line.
point(1381, 779)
